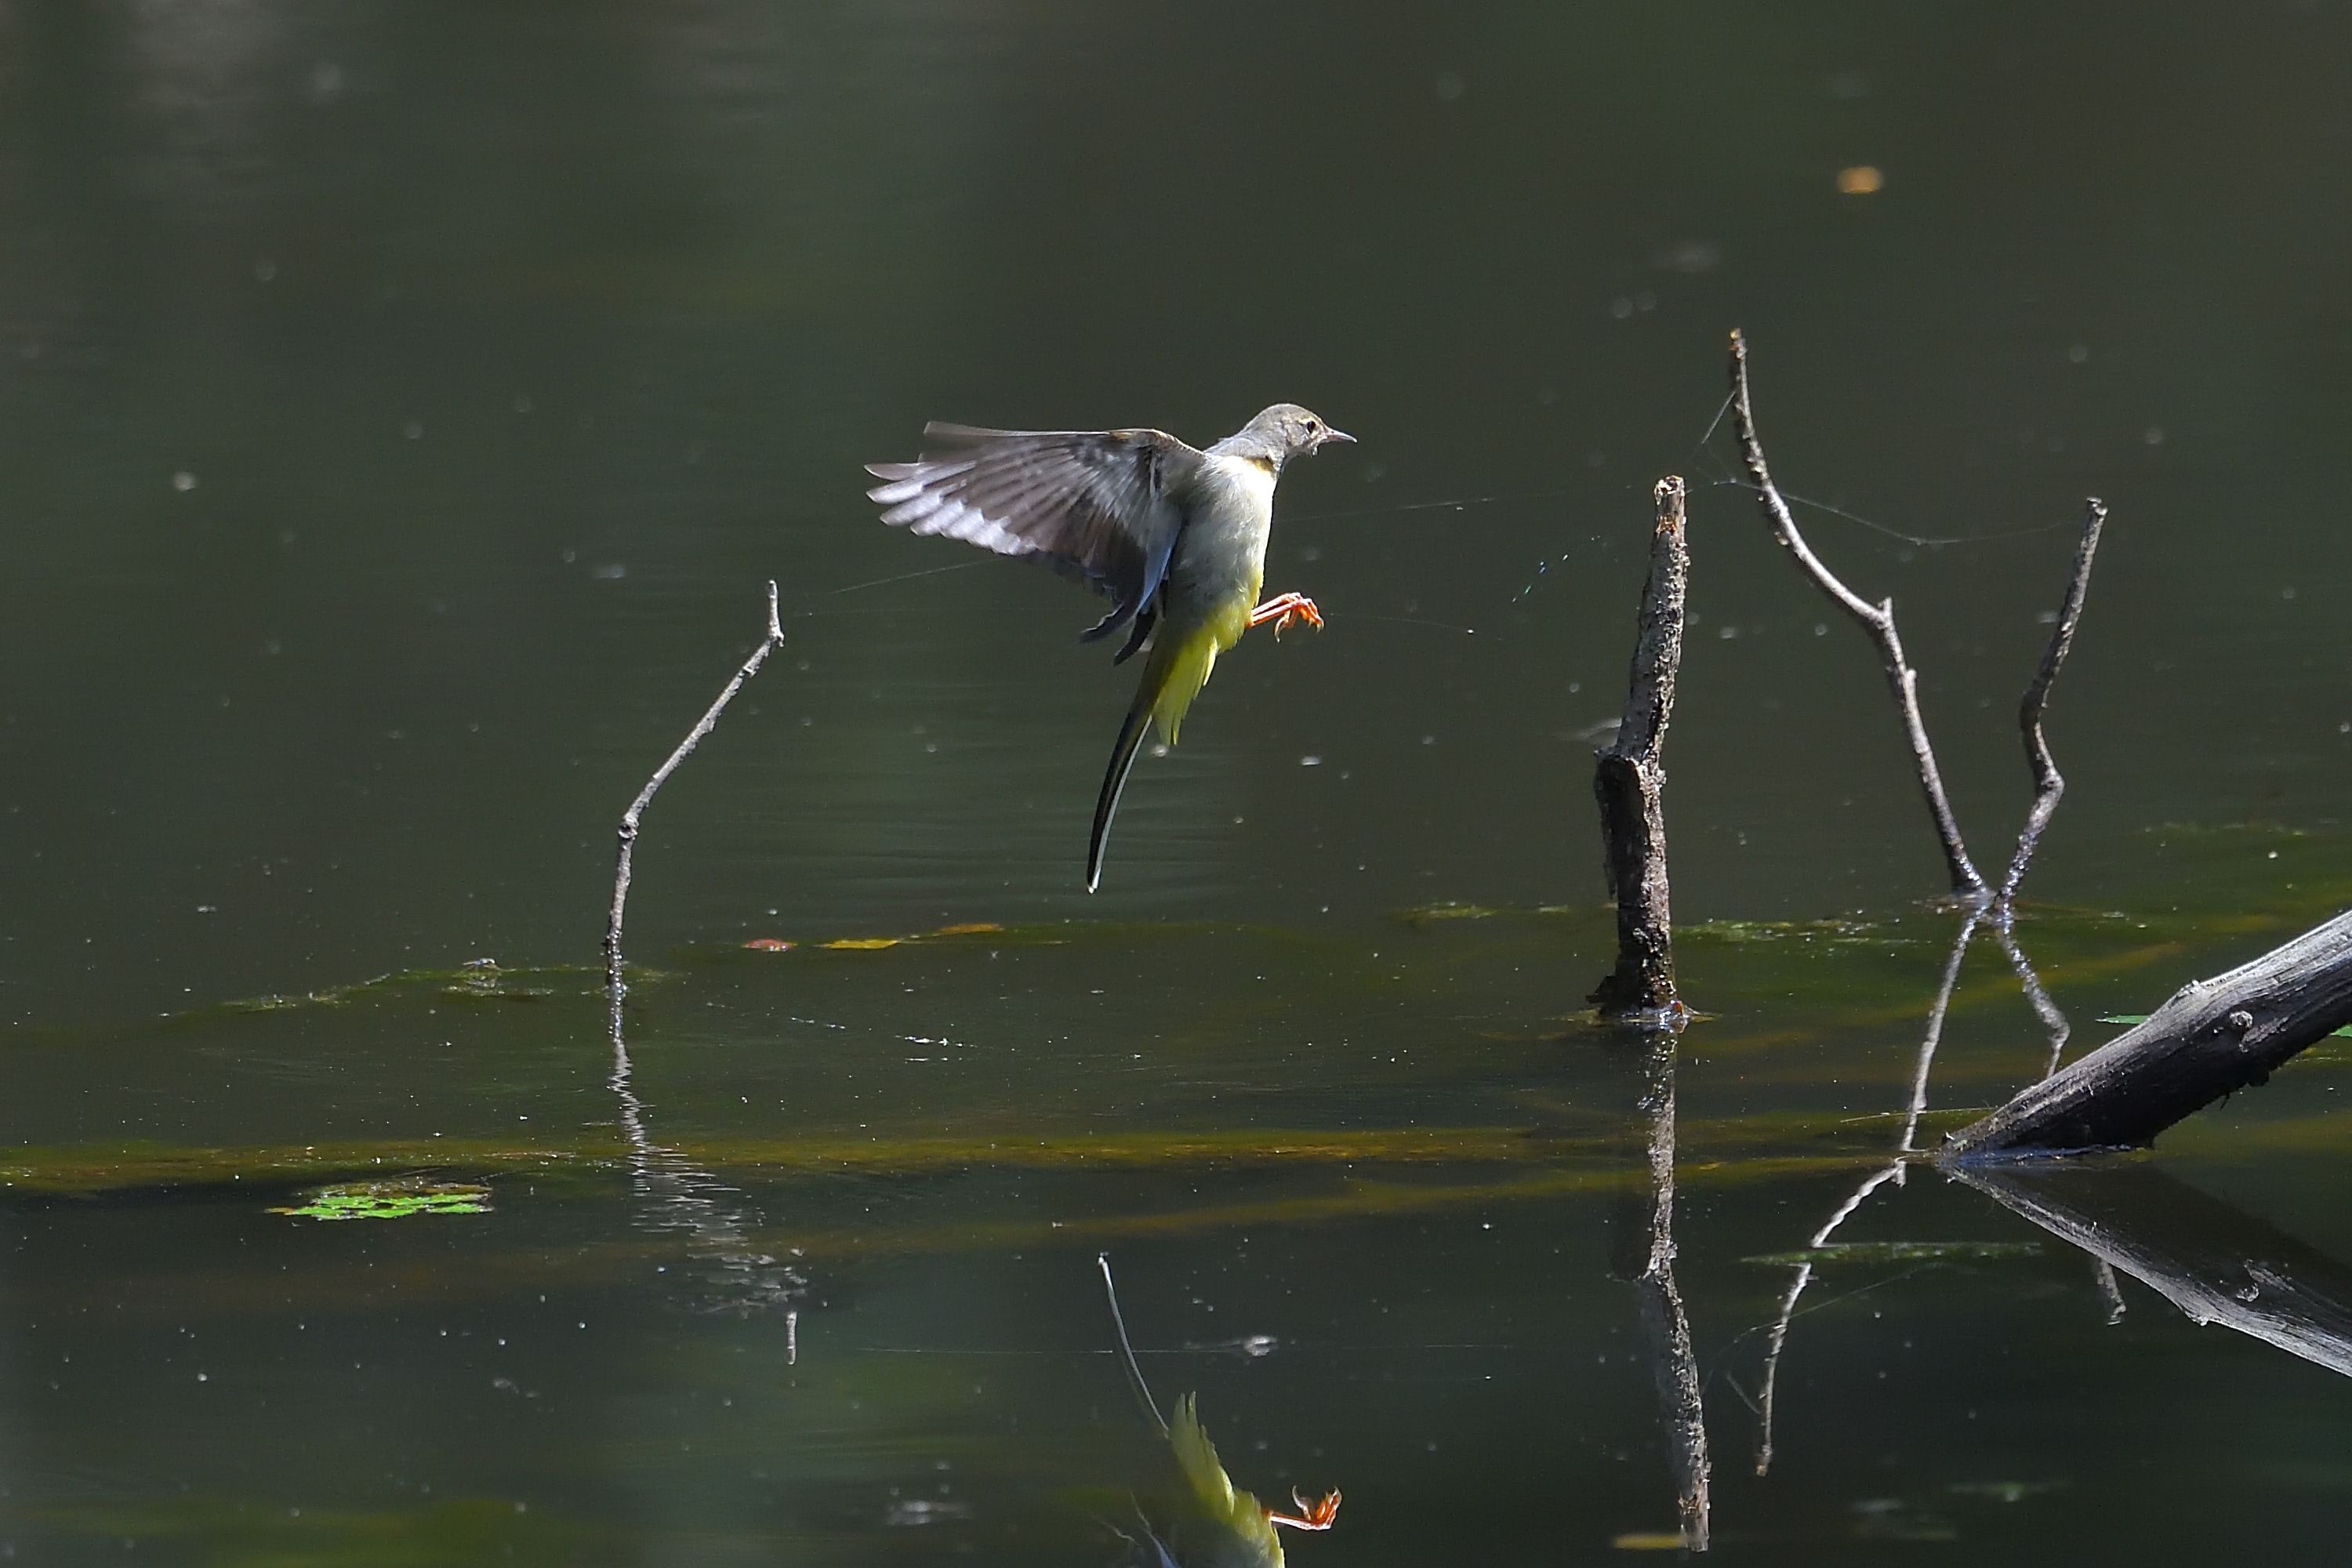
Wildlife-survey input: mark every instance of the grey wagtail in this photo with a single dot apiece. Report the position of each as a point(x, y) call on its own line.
point(1174, 537)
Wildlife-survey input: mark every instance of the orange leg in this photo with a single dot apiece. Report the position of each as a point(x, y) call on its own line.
point(1317, 1515)
point(1284, 608)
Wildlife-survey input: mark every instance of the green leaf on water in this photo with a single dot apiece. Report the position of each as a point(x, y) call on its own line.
point(392, 1200)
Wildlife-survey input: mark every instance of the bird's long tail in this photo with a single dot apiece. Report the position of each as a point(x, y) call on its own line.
point(1122, 762)
point(1173, 674)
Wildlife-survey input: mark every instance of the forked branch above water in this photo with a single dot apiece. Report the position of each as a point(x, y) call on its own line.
point(771, 640)
point(1876, 620)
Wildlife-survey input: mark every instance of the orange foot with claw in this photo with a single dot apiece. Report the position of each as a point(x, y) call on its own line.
point(1283, 609)
point(1317, 1515)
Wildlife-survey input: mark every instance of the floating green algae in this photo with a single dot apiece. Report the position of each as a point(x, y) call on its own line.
point(129, 1166)
point(1837, 931)
point(392, 1200)
point(1710, 1144)
point(1899, 1252)
point(476, 980)
point(1438, 912)
point(253, 1531)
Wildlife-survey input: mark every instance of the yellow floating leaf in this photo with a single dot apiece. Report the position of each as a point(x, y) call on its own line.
point(1648, 1541)
point(863, 943)
point(969, 928)
point(1862, 180)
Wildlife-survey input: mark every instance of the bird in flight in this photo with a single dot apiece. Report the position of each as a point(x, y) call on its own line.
point(1172, 535)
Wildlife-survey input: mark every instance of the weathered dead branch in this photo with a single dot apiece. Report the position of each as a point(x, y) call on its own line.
point(2049, 785)
point(1628, 777)
point(2213, 1038)
point(771, 640)
point(1876, 620)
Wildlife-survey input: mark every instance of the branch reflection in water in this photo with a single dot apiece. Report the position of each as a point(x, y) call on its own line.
point(1647, 1260)
point(2213, 1261)
point(672, 1195)
point(1907, 1148)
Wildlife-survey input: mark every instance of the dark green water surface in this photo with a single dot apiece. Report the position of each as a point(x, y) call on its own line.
point(402, 409)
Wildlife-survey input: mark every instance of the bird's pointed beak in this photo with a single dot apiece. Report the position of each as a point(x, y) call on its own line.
point(1331, 435)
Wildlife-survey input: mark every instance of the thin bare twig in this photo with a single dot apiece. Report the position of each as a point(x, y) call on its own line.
point(774, 639)
point(1629, 778)
point(2049, 785)
point(674, 1194)
point(1877, 620)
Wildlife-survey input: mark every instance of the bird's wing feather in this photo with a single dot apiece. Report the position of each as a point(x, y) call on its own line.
point(1100, 503)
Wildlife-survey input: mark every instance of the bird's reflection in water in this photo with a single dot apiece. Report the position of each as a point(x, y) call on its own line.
point(1192, 1516)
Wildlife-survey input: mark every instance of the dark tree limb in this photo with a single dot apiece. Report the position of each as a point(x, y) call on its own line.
point(1876, 620)
point(1628, 777)
point(2213, 1038)
point(2049, 785)
point(2215, 1263)
point(771, 640)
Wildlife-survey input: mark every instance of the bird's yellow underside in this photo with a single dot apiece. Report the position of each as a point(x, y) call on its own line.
point(1181, 665)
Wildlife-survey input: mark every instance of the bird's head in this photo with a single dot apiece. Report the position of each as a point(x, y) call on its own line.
point(1288, 431)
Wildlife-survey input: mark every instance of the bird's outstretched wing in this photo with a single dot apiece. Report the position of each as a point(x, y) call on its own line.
point(1099, 503)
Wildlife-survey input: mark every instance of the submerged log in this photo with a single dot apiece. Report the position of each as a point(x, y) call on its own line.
point(1628, 779)
point(2213, 1037)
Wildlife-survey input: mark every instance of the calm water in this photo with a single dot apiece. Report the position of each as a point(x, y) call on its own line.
point(401, 409)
